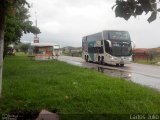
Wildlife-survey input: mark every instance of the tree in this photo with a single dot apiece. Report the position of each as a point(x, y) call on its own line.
point(3, 10)
point(23, 47)
point(127, 8)
point(8, 15)
point(16, 24)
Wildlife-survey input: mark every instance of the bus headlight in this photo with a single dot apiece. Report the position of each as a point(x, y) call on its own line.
point(112, 58)
point(130, 58)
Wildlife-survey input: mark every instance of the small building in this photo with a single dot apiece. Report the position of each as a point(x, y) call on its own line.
point(42, 51)
point(140, 54)
point(56, 50)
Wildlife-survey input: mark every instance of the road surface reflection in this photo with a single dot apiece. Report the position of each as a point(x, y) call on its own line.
point(149, 81)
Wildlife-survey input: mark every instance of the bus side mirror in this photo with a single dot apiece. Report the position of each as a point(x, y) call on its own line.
point(110, 45)
point(133, 44)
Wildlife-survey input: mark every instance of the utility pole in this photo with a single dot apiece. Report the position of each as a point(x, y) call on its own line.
point(36, 22)
point(36, 38)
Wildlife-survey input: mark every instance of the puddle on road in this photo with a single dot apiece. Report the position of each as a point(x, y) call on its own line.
point(73, 62)
point(145, 80)
point(137, 78)
point(115, 73)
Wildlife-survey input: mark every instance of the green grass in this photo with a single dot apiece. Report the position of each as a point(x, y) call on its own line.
point(35, 85)
point(20, 54)
point(145, 62)
point(148, 62)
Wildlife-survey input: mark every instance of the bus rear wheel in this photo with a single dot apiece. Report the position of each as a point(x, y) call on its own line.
point(117, 65)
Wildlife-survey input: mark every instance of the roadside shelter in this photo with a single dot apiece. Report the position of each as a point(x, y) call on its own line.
point(41, 51)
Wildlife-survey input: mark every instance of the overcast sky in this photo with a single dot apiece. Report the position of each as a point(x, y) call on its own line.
point(65, 22)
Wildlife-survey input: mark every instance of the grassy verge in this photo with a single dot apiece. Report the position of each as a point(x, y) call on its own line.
point(153, 62)
point(35, 85)
point(145, 62)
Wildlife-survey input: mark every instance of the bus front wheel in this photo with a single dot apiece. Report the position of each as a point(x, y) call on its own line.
point(99, 60)
point(86, 58)
point(102, 60)
point(122, 65)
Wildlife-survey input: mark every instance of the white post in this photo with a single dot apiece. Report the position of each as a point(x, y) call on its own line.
point(1, 58)
point(2, 27)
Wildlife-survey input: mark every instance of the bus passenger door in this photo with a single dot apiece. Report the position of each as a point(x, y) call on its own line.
point(97, 50)
point(91, 50)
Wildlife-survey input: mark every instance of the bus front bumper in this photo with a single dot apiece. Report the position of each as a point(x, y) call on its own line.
point(121, 60)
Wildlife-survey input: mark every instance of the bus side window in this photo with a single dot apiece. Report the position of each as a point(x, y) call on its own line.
point(101, 49)
point(90, 49)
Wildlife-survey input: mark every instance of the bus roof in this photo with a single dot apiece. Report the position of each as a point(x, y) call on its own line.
point(104, 31)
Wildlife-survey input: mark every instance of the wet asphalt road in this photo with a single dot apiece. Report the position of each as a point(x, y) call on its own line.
point(147, 75)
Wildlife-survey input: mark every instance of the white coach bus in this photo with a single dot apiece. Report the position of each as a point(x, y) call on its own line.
point(109, 46)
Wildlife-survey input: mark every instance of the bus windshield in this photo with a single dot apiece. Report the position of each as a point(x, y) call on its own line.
point(121, 49)
point(118, 35)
